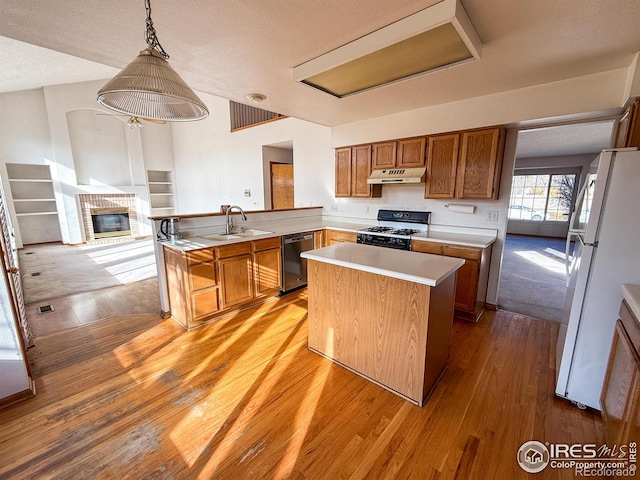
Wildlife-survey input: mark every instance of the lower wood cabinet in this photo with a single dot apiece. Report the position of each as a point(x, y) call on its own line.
point(267, 266)
point(472, 277)
point(338, 236)
point(207, 283)
point(193, 285)
point(236, 278)
point(620, 397)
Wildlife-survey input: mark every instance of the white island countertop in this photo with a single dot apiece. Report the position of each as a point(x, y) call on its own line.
point(631, 294)
point(414, 267)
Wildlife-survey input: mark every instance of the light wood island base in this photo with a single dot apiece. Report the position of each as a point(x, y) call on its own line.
point(393, 332)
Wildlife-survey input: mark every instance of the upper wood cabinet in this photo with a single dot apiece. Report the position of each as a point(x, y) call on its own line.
point(628, 134)
point(407, 153)
point(476, 158)
point(353, 168)
point(343, 172)
point(411, 152)
point(442, 164)
point(384, 155)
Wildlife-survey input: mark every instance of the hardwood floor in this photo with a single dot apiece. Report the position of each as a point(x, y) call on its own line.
point(136, 396)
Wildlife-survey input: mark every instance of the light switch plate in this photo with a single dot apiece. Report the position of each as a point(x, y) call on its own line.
point(492, 215)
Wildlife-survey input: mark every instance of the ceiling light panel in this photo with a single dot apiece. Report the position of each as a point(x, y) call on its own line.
point(437, 37)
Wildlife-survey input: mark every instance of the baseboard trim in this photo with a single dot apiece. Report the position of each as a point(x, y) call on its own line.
point(166, 314)
point(20, 396)
point(491, 306)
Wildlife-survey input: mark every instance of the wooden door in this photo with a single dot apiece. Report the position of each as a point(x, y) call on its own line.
point(442, 164)
point(360, 171)
point(384, 155)
point(479, 164)
point(411, 153)
point(281, 185)
point(620, 387)
point(236, 280)
point(343, 172)
point(267, 265)
point(10, 263)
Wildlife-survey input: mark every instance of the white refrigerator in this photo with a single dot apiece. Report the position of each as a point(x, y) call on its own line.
point(605, 228)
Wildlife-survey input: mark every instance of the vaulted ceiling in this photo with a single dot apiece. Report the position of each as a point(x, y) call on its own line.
point(231, 48)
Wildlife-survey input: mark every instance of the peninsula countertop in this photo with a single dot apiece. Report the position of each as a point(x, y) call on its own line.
point(631, 294)
point(414, 267)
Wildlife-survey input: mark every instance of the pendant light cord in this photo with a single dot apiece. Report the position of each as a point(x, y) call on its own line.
point(150, 35)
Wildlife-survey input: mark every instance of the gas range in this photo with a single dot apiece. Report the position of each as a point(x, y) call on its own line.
point(395, 228)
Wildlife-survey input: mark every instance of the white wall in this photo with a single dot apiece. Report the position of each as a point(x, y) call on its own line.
point(87, 153)
point(215, 166)
point(24, 136)
point(14, 377)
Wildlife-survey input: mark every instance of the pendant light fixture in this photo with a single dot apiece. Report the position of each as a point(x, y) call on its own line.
point(150, 89)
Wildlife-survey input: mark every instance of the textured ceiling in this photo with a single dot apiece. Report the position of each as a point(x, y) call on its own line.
point(562, 140)
point(230, 48)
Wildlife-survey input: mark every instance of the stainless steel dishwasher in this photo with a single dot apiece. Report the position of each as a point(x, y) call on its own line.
point(294, 268)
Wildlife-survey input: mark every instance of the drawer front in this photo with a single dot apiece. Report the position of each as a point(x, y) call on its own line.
point(199, 256)
point(266, 244)
point(205, 303)
point(339, 236)
point(426, 247)
point(234, 249)
point(468, 253)
point(202, 275)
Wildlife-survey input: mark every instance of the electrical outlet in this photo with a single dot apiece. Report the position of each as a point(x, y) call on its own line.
point(334, 207)
point(366, 209)
point(492, 215)
point(247, 193)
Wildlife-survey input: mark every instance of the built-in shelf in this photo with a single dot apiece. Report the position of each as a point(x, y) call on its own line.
point(34, 202)
point(161, 194)
point(33, 214)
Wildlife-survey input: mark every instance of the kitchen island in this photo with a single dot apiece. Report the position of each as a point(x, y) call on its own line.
point(384, 314)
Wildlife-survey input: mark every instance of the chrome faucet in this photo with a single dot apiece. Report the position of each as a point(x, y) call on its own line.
point(229, 220)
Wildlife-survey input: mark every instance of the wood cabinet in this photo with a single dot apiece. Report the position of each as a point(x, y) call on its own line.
point(442, 165)
point(338, 236)
point(406, 153)
point(353, 168)
point(465, 165)
point(628, 133)
point(235, 264)
point(472, 278)
point(267, 266)
point(192, 284)
point(384, 155)
point(207, 283)
point(620, 397)
point(411, 152)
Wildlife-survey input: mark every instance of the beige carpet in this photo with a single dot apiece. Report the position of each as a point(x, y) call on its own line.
point(56, 270)
point(532, 279)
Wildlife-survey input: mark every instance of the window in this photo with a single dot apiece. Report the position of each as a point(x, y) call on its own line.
point(542, 197)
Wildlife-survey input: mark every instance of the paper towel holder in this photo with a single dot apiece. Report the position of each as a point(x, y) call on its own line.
point(460, 208)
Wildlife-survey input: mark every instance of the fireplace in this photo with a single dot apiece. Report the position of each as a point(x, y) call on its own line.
point(110, 222)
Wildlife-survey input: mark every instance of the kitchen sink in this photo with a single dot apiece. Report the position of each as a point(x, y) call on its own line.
point(252, 233)
point(223, 237)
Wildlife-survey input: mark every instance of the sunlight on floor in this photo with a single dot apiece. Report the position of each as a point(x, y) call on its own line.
point(543, 261)
point(302, 420)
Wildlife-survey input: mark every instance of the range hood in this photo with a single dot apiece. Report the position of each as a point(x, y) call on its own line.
point(397, 175)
